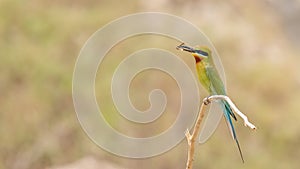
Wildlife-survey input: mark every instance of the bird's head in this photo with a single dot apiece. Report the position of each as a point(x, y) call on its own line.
point(199, 52)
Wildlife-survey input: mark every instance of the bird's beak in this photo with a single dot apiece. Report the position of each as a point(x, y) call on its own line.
point(185, 48)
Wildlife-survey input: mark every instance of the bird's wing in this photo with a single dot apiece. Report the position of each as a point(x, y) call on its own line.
point(216, 84)
point(215, 112)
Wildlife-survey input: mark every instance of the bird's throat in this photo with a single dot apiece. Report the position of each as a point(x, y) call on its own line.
point(197, 59)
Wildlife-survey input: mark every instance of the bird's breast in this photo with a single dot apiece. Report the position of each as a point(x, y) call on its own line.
point(202, 75)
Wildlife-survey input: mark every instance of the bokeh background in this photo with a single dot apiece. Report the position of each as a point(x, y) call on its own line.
point(258, 42)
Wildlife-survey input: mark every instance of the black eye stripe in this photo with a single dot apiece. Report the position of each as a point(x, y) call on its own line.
point(201, 52)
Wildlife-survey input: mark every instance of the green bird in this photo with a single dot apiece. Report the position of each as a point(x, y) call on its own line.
point(211, 81)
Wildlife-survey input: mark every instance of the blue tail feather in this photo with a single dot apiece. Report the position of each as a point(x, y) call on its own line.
point(228, 109)
point(227, 113)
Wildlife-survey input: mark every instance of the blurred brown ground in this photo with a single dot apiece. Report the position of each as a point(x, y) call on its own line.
point(258, 42)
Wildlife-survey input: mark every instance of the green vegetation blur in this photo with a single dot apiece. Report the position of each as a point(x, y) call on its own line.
point(258, 42)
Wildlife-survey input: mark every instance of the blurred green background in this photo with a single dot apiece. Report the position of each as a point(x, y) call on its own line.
point(258, 42)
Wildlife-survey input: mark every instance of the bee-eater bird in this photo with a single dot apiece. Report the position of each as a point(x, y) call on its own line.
point(211, 81)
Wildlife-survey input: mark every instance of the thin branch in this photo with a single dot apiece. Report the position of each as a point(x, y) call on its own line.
point(192, 138)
